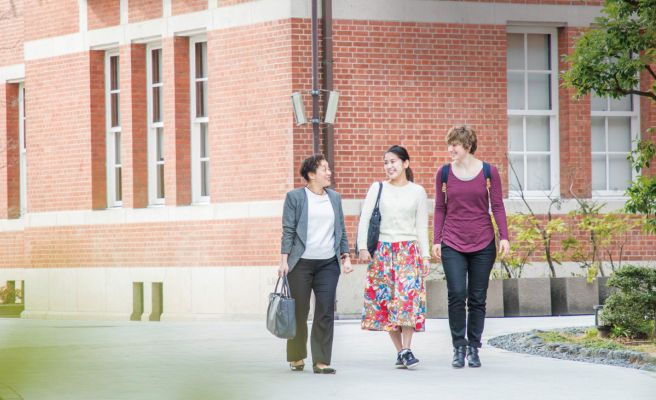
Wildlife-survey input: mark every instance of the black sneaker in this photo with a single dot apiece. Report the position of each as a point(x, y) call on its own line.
point(409, 359)
point(399, 361)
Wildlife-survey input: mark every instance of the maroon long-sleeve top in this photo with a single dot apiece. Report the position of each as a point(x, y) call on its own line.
point(464, 223)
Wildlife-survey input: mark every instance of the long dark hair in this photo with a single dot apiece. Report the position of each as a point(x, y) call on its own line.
point(402, 153)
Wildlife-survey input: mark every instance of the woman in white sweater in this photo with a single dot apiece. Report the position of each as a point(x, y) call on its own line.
point(395, 296)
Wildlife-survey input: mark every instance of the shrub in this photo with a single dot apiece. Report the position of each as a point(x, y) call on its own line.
point(8, 295)
point(631, 310)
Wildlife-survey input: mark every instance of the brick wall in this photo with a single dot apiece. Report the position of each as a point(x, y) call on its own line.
point(177, 142)
point(575, 129)
point(98, 129)
point(635, 245)
point(9, 151)
point(201, 243)
point(103, 13)
point(407, 84)
point(13, 250)
point(250, 72)
point(134, 129)
point(11, 32)
point(58, 133)
point(48, 18)
point(648, 114)
point(141, 10)
point(187, 6)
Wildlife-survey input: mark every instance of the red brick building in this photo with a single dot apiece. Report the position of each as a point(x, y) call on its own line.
point(146, 145)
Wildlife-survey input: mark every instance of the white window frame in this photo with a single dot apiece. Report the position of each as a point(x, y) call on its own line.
point(22, 179)
point(196, 159)
point(112, 163)
point(153, 163)
point(634, 116)
point(554, 129)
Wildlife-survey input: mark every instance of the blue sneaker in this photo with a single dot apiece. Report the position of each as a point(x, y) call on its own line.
point(409, 359)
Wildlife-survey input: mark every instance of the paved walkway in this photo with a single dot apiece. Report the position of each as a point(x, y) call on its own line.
point(51, 360)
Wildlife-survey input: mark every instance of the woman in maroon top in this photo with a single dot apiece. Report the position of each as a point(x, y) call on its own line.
point(463, 238)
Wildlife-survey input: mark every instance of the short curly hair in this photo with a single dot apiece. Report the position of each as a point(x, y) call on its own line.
point(311, 164)
point(464, 136)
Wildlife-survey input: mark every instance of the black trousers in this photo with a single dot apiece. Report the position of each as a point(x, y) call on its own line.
point(467, 278)
point(320, 277)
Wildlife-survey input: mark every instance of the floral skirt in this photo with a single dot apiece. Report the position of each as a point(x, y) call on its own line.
point(395, 295)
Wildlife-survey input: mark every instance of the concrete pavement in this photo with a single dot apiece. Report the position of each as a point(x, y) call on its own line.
point(52, 360)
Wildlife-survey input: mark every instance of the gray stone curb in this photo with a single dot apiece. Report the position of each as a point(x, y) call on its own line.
point(531, 343)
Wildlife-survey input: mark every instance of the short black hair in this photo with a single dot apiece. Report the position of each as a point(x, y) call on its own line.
point(311, 164)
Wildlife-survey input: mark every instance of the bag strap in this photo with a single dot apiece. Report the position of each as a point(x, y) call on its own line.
point(284, 289)
point(445, 178)
point(380, 190)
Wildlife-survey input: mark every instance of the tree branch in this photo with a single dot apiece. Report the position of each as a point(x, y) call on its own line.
point(651, 71)
point(619, 88)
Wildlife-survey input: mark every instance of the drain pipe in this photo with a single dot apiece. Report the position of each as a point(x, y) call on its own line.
point(328, 130)
point(315, 79)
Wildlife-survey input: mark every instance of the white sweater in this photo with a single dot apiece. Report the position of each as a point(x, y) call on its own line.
point(404, 215)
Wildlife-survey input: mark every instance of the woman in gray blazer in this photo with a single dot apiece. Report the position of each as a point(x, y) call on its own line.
point(313, 246)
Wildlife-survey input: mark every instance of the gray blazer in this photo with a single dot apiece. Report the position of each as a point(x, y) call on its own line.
point(295, 225)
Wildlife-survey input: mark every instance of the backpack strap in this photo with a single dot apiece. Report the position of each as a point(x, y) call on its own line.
point(488, 183)
point(445, 178)
point(486, 173)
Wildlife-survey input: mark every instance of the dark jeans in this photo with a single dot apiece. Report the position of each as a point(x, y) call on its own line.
point(467, 277)
point(320, 276)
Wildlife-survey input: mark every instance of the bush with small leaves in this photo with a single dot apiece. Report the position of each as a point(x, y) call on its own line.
point(631, 309)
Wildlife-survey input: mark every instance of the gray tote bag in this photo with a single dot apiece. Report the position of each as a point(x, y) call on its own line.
point(281, 314)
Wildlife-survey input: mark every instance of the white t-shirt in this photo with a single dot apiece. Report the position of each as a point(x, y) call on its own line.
point(404, 215)
point(320, 244)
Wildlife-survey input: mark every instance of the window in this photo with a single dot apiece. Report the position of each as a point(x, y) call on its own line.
point(23, 149)
point(199, 122)
point(113, 117)
point(615, 125)
point(532, 111)
point(155, 126)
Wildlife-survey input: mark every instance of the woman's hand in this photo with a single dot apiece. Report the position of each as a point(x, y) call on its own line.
point(364, 255)
point(283, 268)
point(425, 263)
point(504, 248)
point(347, 268)
point(437, 251)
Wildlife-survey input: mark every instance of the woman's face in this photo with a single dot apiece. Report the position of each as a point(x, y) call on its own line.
point(322, 175)
point(457, 152)
point(394, 166)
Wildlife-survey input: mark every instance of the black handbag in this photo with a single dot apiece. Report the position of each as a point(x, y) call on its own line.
point(374, 224)
point(281, 314)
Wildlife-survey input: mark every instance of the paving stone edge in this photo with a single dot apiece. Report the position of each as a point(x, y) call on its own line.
point(531, 343)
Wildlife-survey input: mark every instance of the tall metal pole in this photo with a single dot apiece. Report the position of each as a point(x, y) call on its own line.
point(315, 79)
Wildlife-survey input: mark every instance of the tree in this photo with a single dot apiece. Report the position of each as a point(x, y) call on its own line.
point(547, 229)
point(608, 60)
